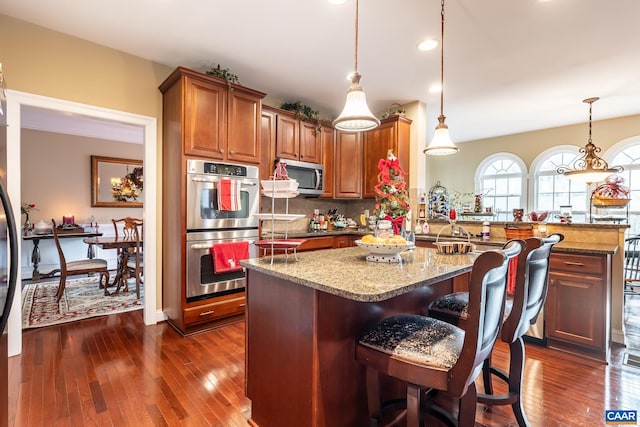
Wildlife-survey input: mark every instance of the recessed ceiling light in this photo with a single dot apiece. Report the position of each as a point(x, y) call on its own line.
point(435, 88)
point(337, 1)
point(427, 44)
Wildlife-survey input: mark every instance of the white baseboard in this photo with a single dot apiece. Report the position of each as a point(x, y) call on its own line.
point(617, 336)
point(160, 316)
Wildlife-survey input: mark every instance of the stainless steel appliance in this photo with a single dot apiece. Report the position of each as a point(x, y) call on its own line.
point(203, 212)
point(8, 276)
point(202, 281)
point(208, 225)
point(535, 334)
point(310, 176)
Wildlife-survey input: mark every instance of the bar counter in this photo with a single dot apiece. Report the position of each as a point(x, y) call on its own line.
point(304, 316)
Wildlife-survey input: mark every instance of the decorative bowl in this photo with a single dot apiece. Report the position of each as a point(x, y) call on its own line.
point(275, 186)
point(380, 252)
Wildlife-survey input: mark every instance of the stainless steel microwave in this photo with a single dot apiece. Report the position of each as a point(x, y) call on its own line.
point(310, 176)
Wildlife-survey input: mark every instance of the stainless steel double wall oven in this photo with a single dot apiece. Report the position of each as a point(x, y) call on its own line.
point(207, 225)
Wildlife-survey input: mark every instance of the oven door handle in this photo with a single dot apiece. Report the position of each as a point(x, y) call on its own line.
point(197, 246)
point(216, 179)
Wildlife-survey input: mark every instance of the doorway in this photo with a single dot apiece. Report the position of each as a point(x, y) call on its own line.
point(15, 102)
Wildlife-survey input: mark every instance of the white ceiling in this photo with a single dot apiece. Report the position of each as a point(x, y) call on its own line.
point(510, 65)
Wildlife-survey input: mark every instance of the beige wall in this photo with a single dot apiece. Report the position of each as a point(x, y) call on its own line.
point(456, 172)
point(56, 175)
point(44, 62)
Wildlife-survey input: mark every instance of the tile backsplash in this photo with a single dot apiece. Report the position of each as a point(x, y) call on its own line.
point(306, 206)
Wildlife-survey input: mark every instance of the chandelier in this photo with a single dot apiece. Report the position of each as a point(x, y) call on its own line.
point(356, 116)
point(128, 187)
point(441, 144)
point(590, 167)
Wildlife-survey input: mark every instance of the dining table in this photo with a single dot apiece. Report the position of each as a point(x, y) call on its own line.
point(125, 245)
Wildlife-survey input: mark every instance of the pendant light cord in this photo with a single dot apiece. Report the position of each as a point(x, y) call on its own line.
point(590, 108)
point(355, 58)
point(441, 58)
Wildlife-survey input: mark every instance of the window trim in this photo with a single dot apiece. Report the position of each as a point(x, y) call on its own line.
point(535, 166)
point(484, 165)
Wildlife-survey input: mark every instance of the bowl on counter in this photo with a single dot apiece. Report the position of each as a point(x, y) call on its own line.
point(381, 252)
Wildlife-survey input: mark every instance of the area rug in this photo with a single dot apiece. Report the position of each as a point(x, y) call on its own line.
point(82, 299)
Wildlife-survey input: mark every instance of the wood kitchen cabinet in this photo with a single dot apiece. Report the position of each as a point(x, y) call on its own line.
point(358, 154)
point(327, 137)
point(297, 139)
point(392, 134)
point(215, 119)
point(267, 142)
point(203, 117)
point(348, 165)
point(577, 317)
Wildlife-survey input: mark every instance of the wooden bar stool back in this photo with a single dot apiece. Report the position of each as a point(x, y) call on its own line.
point(429, 354)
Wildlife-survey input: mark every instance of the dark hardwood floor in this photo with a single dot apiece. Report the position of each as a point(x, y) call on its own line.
point(114, 371)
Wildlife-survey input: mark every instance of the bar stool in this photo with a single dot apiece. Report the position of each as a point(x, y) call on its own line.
point(529, 297)
point(429, 354)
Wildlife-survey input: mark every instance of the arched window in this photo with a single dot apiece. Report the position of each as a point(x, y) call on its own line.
point(626, 153)
point(552, 190)
point(502, 179)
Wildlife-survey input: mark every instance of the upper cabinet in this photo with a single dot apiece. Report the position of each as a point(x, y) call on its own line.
point(357, 156)
point(348, 165)
point(327, 137)
point(392, 134)
point(297, 139)
point(219, 120)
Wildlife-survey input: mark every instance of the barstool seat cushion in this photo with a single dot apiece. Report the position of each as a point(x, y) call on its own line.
point(417, 339)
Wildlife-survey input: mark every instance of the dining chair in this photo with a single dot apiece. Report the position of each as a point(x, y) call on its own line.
point(130, 228)
point(631, 266)
point(72, 268)
point(135, 265)
point(429, 354)
point(532, 276)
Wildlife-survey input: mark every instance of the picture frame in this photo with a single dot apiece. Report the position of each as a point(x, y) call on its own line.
point(116, 182)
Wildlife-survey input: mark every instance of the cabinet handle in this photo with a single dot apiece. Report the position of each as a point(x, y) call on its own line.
point(301, 155)
point(232, 152)
point(552, 282)
point(242, 305)
point(575, 264)
point(222, 150)
point(206, 313)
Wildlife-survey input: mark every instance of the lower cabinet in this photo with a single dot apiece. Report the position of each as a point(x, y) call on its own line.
point(576, 311)
point(214, 309)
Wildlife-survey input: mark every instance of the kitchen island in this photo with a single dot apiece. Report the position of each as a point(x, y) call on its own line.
point(304, 316)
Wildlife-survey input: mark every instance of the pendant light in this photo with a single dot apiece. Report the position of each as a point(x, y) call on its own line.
point(356, 116)
point(3, 92)
point(441, 144)
point(590, 167)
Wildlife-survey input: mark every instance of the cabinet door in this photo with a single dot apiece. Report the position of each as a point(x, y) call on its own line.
point(287, 137)
point(205, 119)
point(267, 143)
point(244, 127)
point(328, 159)
point(376, 144)
point(348, 172)
point(310, 142)
point(575, 309)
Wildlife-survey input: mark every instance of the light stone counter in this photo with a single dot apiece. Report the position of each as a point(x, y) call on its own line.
point(346, 273)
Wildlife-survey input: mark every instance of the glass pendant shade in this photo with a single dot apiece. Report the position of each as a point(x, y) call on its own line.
point(356, 116)
point(441, 144)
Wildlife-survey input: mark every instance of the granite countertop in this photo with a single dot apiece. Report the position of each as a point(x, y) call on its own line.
point(346, 273)
point(565, 246)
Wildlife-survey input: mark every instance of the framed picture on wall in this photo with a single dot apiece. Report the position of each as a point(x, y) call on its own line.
point(116, 182)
